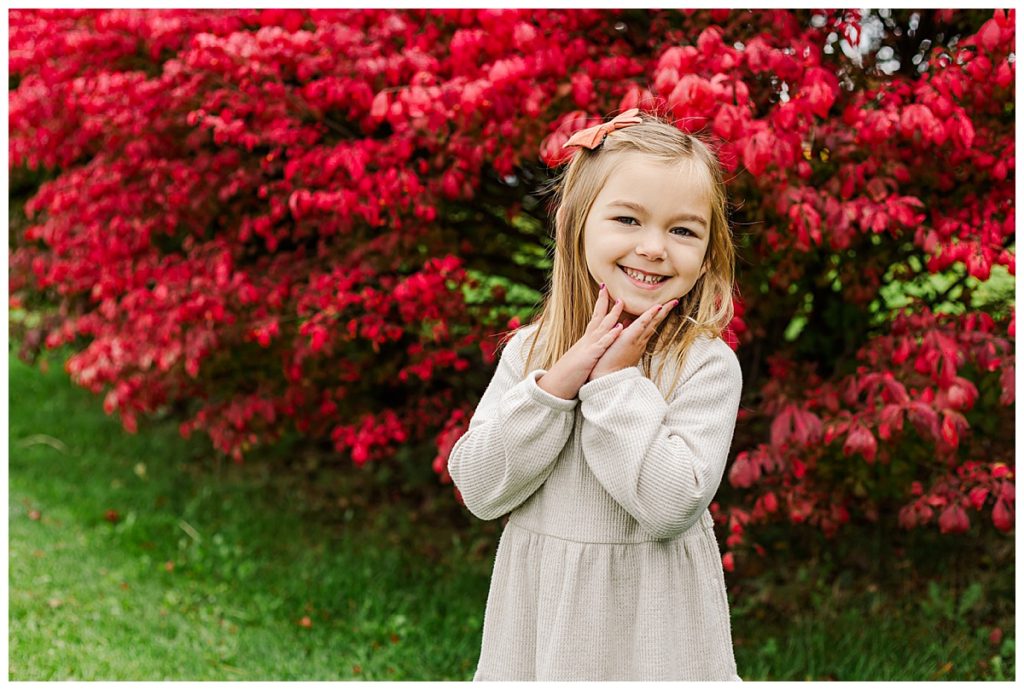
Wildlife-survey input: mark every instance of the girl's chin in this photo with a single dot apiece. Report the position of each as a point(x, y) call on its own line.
point(632, 310)
point(627, 317)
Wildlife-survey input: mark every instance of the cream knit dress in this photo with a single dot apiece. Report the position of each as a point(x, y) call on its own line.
point(608, 567)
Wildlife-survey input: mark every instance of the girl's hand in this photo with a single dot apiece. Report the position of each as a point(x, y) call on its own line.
point(630, 346)
point(570, 372)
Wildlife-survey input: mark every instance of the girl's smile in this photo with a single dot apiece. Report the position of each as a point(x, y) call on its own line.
point(643, 279)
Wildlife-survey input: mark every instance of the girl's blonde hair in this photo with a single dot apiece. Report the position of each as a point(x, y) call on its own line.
point(568, 304)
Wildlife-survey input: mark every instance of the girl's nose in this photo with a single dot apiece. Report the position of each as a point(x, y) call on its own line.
point(651, 246)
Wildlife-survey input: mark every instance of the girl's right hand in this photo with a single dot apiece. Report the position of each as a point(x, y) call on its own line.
point(570, 372)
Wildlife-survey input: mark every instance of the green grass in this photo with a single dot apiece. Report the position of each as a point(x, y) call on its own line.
point(872, 637)
point(209, 571)
point(210, 568)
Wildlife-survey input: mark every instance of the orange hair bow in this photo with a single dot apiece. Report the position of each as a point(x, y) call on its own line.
point(592, 137)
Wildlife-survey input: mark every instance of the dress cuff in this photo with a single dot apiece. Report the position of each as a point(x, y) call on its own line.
point(608, 381)
point(545, 398)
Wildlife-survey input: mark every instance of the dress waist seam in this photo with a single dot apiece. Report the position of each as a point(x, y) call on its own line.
point(689, 534)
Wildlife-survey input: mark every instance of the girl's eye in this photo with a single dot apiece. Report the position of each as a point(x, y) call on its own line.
point(626, 220)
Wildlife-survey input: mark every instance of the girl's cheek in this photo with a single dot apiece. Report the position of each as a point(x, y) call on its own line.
point(684, 292)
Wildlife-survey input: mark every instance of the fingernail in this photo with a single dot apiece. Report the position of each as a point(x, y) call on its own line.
point(601, 288)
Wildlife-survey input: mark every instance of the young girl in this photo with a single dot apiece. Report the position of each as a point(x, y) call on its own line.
point(606, 428)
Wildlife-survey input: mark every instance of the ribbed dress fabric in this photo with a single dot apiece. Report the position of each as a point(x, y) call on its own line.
point(608, 567)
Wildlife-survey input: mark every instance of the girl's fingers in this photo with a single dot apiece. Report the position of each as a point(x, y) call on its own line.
point(660, 315)
point(601, 305)
point(644, 320)
point(608, 338)
point(613, 315)
point(663, 313)
point(644, 326)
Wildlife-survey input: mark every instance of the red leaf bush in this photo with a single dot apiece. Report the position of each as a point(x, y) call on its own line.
point(320, 220)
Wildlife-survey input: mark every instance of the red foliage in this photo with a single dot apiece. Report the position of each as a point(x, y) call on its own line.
point(279, 216)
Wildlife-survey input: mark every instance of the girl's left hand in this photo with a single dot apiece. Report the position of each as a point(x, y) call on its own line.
point(632, 342)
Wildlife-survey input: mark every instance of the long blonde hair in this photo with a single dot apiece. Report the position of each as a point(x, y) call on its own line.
point(568, 304)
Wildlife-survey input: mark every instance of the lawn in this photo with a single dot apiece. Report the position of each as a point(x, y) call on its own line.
point(142, 557)
point(209, 571)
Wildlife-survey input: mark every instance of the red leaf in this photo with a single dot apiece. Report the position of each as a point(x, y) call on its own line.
point(964, 131)
point(1003, 516)
point(907, 517)
point(319, 338)
point(744, 471)
point(962, 394)
point(806, 427)
point(978, 495)
point(861, 440)
point(757, 153)
point(954, 520)
point(799, 468)
point(953, 423)
point(924, 418)
point(781, 426)
point(892, 416)
point(902, 351)
point(820, 87)
point(989, 35)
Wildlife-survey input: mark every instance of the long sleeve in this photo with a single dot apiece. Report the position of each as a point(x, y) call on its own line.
point(513, 439)
point(663, 462)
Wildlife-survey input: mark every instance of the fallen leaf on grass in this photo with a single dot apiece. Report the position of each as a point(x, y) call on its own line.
point(943, 670)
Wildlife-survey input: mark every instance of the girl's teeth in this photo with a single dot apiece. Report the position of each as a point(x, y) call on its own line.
point(645, 279)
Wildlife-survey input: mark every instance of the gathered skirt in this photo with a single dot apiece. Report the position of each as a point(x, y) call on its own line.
point(567, 610)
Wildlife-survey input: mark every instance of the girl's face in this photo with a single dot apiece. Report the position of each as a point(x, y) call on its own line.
point(647, 232)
